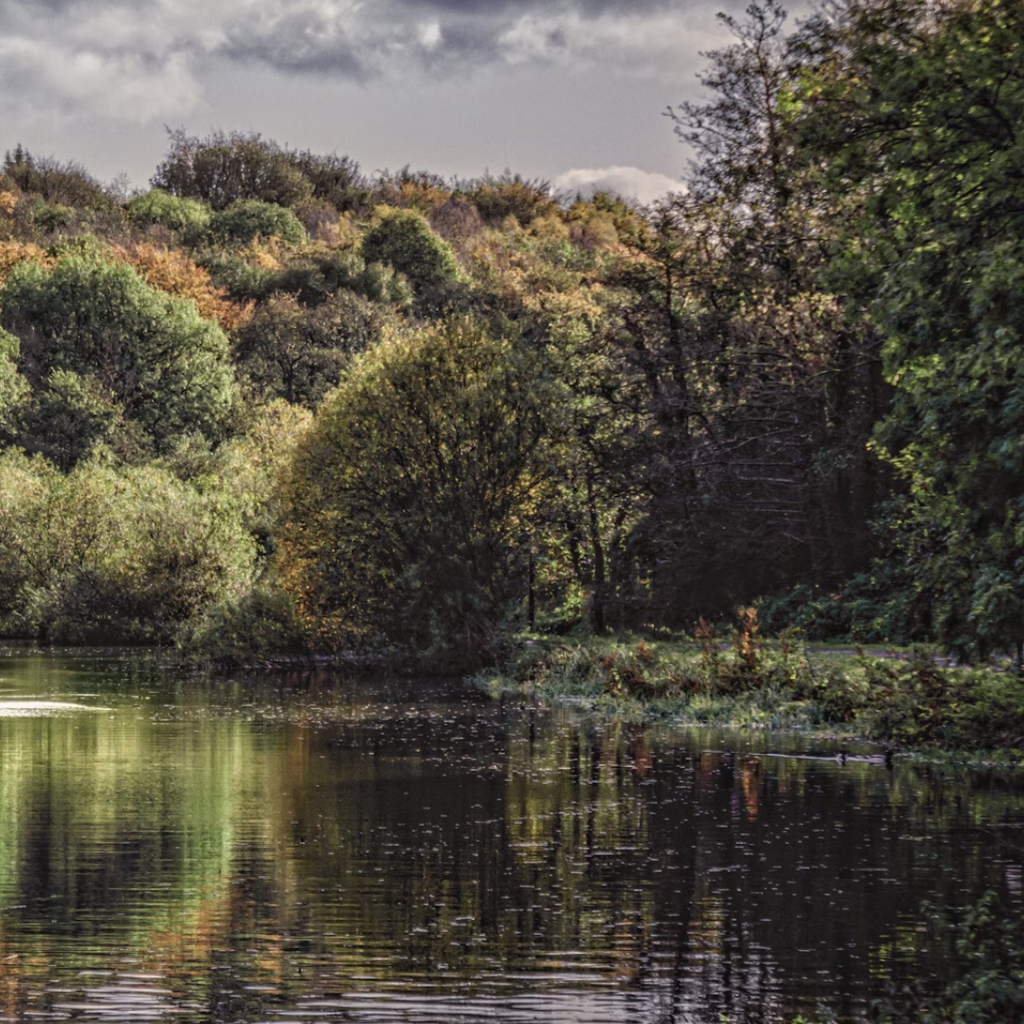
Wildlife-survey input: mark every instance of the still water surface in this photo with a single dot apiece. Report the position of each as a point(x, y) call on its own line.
point(306, 847)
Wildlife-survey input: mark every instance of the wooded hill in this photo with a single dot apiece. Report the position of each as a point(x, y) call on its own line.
point(275, 404)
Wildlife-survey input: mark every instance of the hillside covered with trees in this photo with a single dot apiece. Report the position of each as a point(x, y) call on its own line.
point(275, 404)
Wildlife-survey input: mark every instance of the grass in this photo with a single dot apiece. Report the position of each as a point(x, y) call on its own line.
point(903, 700)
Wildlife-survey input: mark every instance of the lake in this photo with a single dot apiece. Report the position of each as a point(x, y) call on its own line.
point(306, 846)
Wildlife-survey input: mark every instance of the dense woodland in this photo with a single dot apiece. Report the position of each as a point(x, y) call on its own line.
point(276, 404)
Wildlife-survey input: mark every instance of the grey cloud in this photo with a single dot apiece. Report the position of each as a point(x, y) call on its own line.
point(155, 52)
point(299, 41)
point(590, 8)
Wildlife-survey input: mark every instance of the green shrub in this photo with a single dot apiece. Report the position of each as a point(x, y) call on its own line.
point(173, 212)
point(115, 341)
point(114, 554)
point(402, 239)
point(246, 219)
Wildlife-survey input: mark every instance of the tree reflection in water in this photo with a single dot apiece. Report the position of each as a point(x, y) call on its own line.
point(305, 845)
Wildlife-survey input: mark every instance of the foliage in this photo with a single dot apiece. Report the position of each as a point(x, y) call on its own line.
point(13, 386)
point(109, 554)
point(408, 189)
point(13, 253)
point(313, 279)
point(402, 239)
point(510, 195)
point(409, 506)
point(174, 272)
point(990, 945)
point(932, 104)
point(65, 184)
point(223, 168)
point(144, 352)
point(335, 180)
point(298, 353)
point(189, 216)
point(246, 219)
point(901, 702)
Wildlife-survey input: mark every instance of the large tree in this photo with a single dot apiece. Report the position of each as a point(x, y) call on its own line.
point(919, 112)
point(762, 385)
point(411, 503)
point(101, 345)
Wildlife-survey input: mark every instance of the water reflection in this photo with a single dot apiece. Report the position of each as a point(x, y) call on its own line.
point(303, 847)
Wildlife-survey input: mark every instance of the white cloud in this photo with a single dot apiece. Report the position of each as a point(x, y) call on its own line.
point(430, 35)
point(628, 182)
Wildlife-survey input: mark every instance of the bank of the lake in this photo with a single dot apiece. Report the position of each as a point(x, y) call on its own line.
point(899, 700)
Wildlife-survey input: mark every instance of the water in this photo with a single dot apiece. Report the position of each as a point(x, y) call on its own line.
point(304, 847)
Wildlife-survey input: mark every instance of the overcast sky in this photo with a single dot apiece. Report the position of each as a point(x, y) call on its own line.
point(567, 91)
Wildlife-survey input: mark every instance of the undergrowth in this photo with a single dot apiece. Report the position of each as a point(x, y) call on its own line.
point(742, 678)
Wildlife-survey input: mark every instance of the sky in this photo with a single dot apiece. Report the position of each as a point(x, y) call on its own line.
point(572, 91)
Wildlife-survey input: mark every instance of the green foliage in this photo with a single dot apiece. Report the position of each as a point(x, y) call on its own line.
point(246, 219)
point(932, 106)
point(13, 386)
point(113, 555)
point(258, 626)
point(402, 239)
point(223, 168)
point(298, 353)
point(313, 279)
point(239, 277)
point(67, 417)
point(990, 945)
point(119, 348)
point(189, 216)
point(882, 606)
point(411, 502)
point(909, 702)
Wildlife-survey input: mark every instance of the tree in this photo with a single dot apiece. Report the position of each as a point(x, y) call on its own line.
point(926, 107)
point(410, 505)
point(761, 385)
point(225, 167)
point(246, 219)
point(127, 345)
point(402, 239)
point(298, 353)
point(66, 184)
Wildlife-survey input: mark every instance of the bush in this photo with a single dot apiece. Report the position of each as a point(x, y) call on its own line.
point(222, 168)
point(173, 212)
point(113, 555)
point(511, 195)
point(162, 366)
point(402, 239)
point(261, 624)
point(246, 219)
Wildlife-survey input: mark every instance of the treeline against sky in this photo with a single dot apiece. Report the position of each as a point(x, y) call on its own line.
point(276, 404)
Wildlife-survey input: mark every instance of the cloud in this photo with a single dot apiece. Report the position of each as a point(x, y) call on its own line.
point(139, 59)
point(126, 86)
point(628, 182)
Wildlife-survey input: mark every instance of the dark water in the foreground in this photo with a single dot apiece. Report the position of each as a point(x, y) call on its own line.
point(304, 848)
